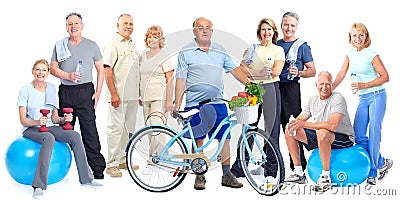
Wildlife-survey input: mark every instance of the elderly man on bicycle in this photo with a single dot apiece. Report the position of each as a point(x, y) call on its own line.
point(199, 73)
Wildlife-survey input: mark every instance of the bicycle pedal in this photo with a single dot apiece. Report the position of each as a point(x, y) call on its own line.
point(177, 171)
point(219, 158)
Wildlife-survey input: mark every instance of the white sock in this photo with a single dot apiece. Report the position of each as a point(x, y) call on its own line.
point(327, 173)
point(298, 170)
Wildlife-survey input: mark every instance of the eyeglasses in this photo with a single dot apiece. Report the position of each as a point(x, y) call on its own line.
point(203, 29)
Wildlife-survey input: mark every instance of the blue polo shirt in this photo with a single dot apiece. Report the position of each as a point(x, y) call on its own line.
point(203, 71)
point(303, 56)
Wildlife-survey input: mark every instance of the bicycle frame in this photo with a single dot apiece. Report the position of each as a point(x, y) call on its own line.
point(173, 160)
point(165, 158)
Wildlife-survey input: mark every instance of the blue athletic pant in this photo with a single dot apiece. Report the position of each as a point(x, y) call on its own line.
point(369, 115)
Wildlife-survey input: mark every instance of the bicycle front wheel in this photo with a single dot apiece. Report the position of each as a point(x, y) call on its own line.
point(262, 162)
point(149, 170)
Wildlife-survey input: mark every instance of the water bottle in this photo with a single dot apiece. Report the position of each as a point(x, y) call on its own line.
point(269, 66)
point(292, 133)
point(354, 79)
point(79, 70)
point(290, 76)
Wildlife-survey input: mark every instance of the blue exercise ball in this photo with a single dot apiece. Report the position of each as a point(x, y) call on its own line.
point(22, 157)
point(349, 166)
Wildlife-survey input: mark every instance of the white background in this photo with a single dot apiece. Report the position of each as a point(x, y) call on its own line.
point(30, 29)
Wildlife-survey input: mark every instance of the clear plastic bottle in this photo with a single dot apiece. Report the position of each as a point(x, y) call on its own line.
point(79, 70)
point(354, 79)
point(269, 66)
point(292, 133)
point(290, 76)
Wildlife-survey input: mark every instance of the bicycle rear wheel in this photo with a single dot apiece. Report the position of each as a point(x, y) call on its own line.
point(264, 169)
point(153, 175)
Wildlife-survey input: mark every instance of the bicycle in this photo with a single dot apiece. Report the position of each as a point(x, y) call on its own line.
point(173, 161)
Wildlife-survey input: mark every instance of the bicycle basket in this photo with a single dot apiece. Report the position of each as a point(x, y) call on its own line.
point(246, 114)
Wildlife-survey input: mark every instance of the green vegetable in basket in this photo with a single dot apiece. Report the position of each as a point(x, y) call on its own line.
point(237, 102)
point(255, 89)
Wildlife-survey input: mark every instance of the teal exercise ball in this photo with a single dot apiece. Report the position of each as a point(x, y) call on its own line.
point(349, 166)
point(22, 157)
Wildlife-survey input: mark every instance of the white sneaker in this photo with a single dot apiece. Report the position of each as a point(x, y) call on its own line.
point(37, 193)
point(151, 169)
point(385, 168)
point(324, 183)
point(270, 179)
point(371, 181)
point(269, 183)
point(296, 178)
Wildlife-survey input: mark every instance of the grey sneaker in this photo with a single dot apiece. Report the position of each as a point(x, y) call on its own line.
point(371, 181)
point(295, 178)
point(92, 184)
point(258, 171)
point(385, 168)
point(200, 182)
point(324, 183)
point(229, 180)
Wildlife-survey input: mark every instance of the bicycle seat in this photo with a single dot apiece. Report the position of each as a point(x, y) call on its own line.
point(211, 100)
point(185, 115)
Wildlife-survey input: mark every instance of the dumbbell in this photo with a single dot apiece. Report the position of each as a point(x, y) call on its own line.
point(67, 125)
point(43, 128)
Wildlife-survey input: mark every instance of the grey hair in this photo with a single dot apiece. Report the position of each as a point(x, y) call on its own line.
point(325, 73)
point(72, 14)
point(125, 14)
point(291, 14)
